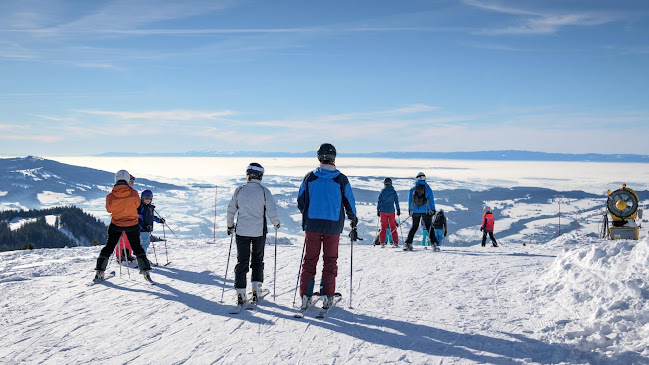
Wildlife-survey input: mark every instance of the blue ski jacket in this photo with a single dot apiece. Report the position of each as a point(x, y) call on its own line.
point(388, 199)
point(430, 204)
point(146, 218)
point(323, 199)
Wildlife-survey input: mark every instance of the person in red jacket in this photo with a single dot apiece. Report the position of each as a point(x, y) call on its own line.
point(122, 204)
point(488, 227)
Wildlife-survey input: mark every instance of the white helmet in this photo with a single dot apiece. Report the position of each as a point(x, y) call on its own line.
point(421, 176)
point(486, 209)
point(122, 175)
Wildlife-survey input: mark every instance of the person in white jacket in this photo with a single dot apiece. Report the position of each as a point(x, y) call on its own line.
point(253, 202)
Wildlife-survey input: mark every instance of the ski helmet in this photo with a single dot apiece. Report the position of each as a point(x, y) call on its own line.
point(327, 153)
point(486, 209)
point(255, 171)
point(441, 211)
point(122, 175)
point(421, 176)
point(147, 194)
point(387, 181)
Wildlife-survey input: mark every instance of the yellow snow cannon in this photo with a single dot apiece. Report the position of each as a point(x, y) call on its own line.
point(622, 206)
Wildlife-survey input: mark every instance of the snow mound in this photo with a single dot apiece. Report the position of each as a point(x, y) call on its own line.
point(595, 295)
point(572, 239)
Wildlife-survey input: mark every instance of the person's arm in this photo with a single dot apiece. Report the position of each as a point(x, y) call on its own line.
point(431, 198)
point(349, 202)
point(302, 195)
point(232, 208)
point(271, 208)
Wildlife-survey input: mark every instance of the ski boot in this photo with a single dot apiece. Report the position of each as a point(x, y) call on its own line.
point(306, 302)
point(327, 301)
point(99, 276)
point(241, 296)
point(256, 291)
point(146, 275)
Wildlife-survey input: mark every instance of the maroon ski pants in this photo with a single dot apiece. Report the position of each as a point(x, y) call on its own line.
point(313, 242)
point(387, 219)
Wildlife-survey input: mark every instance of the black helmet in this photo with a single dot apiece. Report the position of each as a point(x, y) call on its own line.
point(327, 153)
point(255, 171)
point(387, 181)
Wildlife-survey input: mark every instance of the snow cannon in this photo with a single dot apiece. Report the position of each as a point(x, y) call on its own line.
point(622, 205)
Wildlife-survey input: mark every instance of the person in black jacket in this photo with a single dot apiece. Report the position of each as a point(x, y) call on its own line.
point(385, 209)
point(439, 224)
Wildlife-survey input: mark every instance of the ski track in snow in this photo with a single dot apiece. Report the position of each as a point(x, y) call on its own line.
point(464, 305)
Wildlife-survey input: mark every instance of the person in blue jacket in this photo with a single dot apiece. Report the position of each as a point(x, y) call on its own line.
point(421, 205)
point(146, 218)
point(385, 209)
point(324, 197)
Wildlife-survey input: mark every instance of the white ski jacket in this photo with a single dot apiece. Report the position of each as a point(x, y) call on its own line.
point(251, 201)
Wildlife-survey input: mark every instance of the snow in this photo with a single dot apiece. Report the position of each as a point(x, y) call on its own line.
point(575, 300)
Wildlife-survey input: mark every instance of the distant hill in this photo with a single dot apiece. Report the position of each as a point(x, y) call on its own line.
point(505, 155)
point(68, 226)
point(23, 179)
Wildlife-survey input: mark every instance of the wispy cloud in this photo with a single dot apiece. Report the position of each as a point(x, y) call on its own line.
point(176, 115)
point(533, 21)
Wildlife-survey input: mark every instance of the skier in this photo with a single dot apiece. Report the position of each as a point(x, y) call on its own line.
point(123, 250)
point(424, 235)
point(385, 209)
point(439, 225)
point(421, 205)
point(146, 218)
point(324, 197)
point(488, 227)
point(253, 202)
point(122, 204)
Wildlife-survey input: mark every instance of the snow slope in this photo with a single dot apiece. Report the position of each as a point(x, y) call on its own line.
point(575, 300)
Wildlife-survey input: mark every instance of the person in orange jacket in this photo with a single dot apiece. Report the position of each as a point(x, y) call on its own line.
point(488, 227)
point(122, 204)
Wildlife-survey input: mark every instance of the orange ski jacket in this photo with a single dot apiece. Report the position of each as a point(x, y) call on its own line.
point(122, 204)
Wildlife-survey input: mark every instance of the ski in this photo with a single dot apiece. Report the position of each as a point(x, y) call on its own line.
point(252, 305)
point(106, 276)
point(239, 307)
point(323, 312)
point(300, 312)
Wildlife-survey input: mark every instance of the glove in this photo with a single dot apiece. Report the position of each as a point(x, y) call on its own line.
point(444, 234)
point(398, 212)
point(410, 213)
point(353, 234)
point(432, 212)
point(230, 230)
point(276, 226)
point(378, 214)
point(354, 222)
point(396, 224)
point(481, 229)
point(162, 221)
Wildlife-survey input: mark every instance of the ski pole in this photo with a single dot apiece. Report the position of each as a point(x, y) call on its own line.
point(351, 272)
point(164, 236)
point(128, 269)
point(225, 277)
point(154, 253)
point(400, 229)
point(216, 191)
point(299, 270)
point(275, 267)
point(117, 250)
point(165, 223)
point(378, 232)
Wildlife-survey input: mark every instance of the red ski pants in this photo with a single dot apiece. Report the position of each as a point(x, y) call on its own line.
point(313, 242)
point(388, 219)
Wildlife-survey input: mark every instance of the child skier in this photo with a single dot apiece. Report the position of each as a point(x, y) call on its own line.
point(146, 218)
point(385, 209)
point(122, 203)
point(439, 225)
point(253, 202)
point(488, 227)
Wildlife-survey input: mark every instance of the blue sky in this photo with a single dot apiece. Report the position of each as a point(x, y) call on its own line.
point(87, 77)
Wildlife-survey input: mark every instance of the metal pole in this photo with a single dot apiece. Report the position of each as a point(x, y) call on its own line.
point(164, 236)
point(154, 253)
point(275, 267)
point(559, 195)
point(225, 277)
point(215, 195)
point(351, 272)
point(299, 270)
point(128, 269)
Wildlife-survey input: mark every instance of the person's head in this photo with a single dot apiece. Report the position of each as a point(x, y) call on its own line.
point(421, 176)
point(441, 211)
point(254, 171)
point(131, 180)
point(147, 196)
point(387, 181)
point(327, 153)
point(122, 175)
point(486, 209)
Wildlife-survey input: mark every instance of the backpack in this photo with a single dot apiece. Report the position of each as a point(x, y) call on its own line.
point(419, 195)
point(438, 221)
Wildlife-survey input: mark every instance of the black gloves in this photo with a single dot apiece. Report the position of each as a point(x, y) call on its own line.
point(481, 229)
point(378, 214)
point(353, 234)
point(230, 230)
point(354, 222)
point(276, 226)
point(444, 234)
point(432, 212)
point(410, 213)
point(398, 211)
point(162, 221)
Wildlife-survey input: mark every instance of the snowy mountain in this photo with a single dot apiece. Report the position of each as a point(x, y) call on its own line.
point(573, 300)
point(33, 182)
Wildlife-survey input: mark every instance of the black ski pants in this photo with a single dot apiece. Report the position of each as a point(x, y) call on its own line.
point(491, 235)
point(133, 235)
point(428, 221)
point(249, 260)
